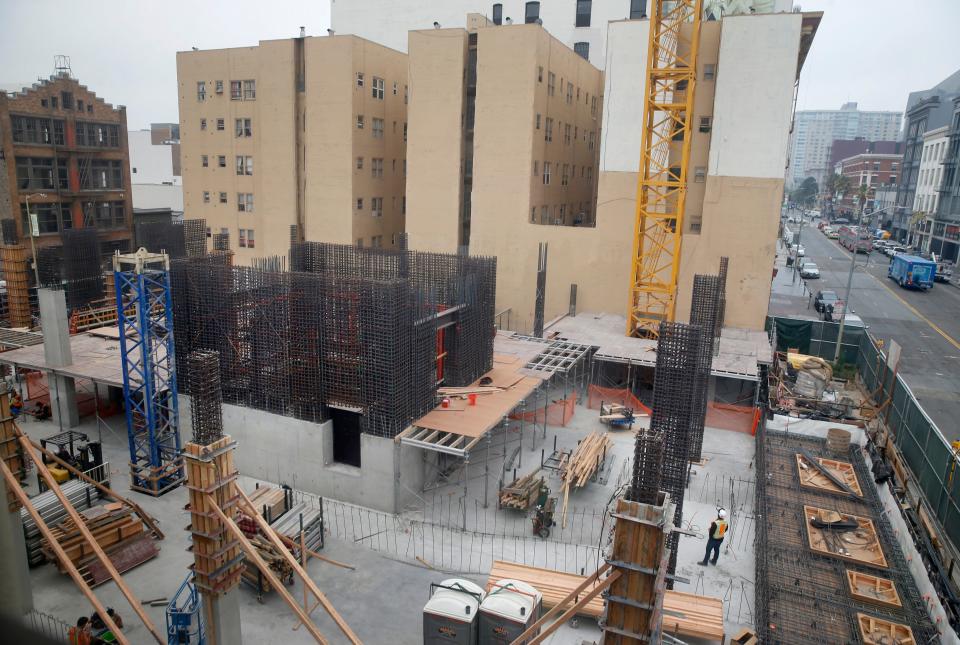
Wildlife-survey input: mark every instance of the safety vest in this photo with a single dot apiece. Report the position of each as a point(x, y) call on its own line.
point(78, 636)
point(719, 530)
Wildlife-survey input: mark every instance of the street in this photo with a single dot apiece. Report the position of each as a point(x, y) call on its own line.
point(926, 324)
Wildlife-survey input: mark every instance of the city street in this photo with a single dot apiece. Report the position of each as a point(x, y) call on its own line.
point(926, 324)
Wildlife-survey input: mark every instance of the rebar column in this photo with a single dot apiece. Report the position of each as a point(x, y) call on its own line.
point(206, 396)
point(704, 312)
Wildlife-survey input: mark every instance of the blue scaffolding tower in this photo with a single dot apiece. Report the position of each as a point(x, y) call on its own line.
point(144, 315)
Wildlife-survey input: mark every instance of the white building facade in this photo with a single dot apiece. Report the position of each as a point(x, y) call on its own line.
point(926, 197)
point(154, 172)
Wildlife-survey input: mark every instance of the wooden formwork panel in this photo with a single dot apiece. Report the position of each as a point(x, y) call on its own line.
point(857, 545)
point(810, 477)
point(10, 450)
point(877, 631)
point(218, 564)
point(874, 589)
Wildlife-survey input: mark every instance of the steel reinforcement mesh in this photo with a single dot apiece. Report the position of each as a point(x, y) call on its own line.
point(802, 596)
point(206, 397)
point(348, 327)
point(673, 410)
point(704, 312)
point(187, 238)
point(8, 226)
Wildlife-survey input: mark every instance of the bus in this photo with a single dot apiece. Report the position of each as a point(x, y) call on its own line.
point(857, 240)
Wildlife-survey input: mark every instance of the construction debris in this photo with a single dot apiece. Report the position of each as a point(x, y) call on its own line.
point(81, 495)
point(804, 385)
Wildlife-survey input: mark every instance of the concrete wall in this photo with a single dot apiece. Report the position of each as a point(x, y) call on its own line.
point(153, 162)
point(289, 451)
point(437, 63)
point(624, 94)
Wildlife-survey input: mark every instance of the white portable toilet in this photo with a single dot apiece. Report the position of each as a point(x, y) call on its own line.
point(509, 609)
point(450, 616)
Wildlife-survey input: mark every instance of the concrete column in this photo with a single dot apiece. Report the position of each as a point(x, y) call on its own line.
point(56, 352)
point(222, 618)
point(14, 572)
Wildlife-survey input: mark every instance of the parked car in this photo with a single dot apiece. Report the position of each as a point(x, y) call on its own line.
point(893, 250)
point(798, 250)
point(833, 235)
point(944, 271)
point(823, 299)
point(809, 270)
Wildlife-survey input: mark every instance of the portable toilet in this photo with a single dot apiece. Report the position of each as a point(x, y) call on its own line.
point(510, 607)
point(450, 616)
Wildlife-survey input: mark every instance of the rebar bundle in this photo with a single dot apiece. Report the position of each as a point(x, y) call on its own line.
point(221, 241)
point(358, 329)
point(187, 238)
point(194, 237)
point(724, 264)
point(206, 396)
point(678, 353)
point(704, 313)
point(8, 226)
point(647, 465)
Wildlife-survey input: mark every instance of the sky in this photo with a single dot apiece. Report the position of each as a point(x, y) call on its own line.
point(868, 51)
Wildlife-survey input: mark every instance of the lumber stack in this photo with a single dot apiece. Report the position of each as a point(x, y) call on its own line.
point(554, 585)
point(275, 501)
point(276, 562)
point(582, 465)
point(522, 492)
point(289, 527)
point(118, 531)
point(687, 614)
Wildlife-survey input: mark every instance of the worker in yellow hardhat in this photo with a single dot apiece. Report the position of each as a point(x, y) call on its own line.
point(718, 529)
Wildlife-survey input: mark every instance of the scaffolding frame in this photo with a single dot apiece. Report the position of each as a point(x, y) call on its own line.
point(142, 279)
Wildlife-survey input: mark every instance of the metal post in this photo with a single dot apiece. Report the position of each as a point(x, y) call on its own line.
point(33, 245)
point(486, 474)
point(846, 298)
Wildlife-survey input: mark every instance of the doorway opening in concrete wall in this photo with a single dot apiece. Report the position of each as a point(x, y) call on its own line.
point(346, 436)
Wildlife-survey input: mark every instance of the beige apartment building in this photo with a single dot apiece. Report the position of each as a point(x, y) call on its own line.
point(735, 178)
point(301, 138)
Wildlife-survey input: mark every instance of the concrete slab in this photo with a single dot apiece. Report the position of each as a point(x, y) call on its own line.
point(92, 357)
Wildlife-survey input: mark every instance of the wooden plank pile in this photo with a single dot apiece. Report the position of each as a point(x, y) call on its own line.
point(276, 562)
point(271, 502)
point(583, 464)
point(687, 614)
point(554, 585)
point(118, 531)
point(522, 492)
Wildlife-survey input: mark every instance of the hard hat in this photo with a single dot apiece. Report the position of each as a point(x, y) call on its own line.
point(722, 513)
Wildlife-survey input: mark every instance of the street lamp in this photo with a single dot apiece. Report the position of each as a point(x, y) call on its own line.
point(33, 245)
point(846, 297)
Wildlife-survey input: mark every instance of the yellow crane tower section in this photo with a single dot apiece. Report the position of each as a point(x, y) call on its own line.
point(662, 185)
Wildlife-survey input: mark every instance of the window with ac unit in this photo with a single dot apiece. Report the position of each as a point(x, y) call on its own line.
point(219, 85)
point(359, 79)
point(705, 123)
point(220, 124)
point(206, 197)
point(223, 198)
point(359, 122)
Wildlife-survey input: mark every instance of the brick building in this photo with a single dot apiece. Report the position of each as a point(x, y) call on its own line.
point(65, 151)
point(876, 170)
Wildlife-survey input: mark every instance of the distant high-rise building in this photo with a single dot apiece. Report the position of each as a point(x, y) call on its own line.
point(814, 132)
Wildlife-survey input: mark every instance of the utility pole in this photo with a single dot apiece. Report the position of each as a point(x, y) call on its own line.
point(34, 231)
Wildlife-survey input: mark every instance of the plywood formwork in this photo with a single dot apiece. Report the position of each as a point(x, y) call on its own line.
point(813, 477)
point(858, 545)
point(870, 588)
point(688, 614)
point(14, 260)
point(877, 631)
point(10, 450)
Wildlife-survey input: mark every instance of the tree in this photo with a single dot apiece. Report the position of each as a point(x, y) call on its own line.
point(806, 193)
point(842, 185)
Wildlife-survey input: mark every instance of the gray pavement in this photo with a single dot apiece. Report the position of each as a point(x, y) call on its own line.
point(926, 324)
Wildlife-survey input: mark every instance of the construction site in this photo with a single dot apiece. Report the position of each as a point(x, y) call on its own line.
point(344, 444)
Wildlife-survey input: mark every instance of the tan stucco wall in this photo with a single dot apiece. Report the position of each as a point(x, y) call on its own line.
point(437, 62)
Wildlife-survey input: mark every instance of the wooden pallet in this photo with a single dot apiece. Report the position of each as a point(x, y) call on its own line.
point(111, 524)
point(811, 477)
point(126, 556)
point(869, 588)
point(877, 631)
point(859, 545)
point(687, 614)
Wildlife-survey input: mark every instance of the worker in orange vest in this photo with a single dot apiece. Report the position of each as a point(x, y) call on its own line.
point(718, 529)
point(80, 635)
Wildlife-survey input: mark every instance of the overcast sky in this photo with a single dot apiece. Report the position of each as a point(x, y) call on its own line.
point(873, 52)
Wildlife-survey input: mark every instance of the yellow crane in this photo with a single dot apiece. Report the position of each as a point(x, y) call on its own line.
point(662, 185)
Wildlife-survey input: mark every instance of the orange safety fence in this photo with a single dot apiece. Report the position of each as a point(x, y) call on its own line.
point(87, 404)
point(739, 418)
point(597, 394)
point(557, 413)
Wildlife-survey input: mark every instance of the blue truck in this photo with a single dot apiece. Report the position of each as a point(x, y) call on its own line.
point(911, 272)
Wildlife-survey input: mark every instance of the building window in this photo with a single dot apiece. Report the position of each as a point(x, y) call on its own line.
point(404, 131)
point(376, 206)
point(395, 88)
point(705, 123)
point(404, 167)
point(243, 238)
point(219, 86)
point(245, 202)
point(546, 173)
point(244, 127)
point(565, 177)
point(28, 129)
point(696, 223)
point(204, 160)
point(376, 241)
point(54, 102)
point(249, 90)
point(548, 130)
point(203, 124)
point(206, 197)
point(536, 168)
point(359, 163)
point(35, 173)
point(531, 12)
point(582, 49)
point(583, 13)
point(592, 141)
point(566, 134)
point(377, 128)
point(359, 203)
point(104, 215)
point(43, 103)
point(638, 9)
point(244, 165)
point(359, 79)
point(569, 93)
point(498, 14)
point(220, 125)
point(406, 94)
point(89, 108)
point(51, 218)
point(201, 93)
point(538, 120)
point(551, 83)
point(223, 198)
point(593, 106)
point(222, 161)
point(250, 241)
point(236, 91)
point(67, 97)
point(700, 174)
point(376, 167)
point(360, 242)
point(101, 174)
point(376, 89)
point(359, 122)
point(97, 135)
point(709, 71)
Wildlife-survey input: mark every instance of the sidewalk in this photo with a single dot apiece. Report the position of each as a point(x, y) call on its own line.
point(789, 295)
